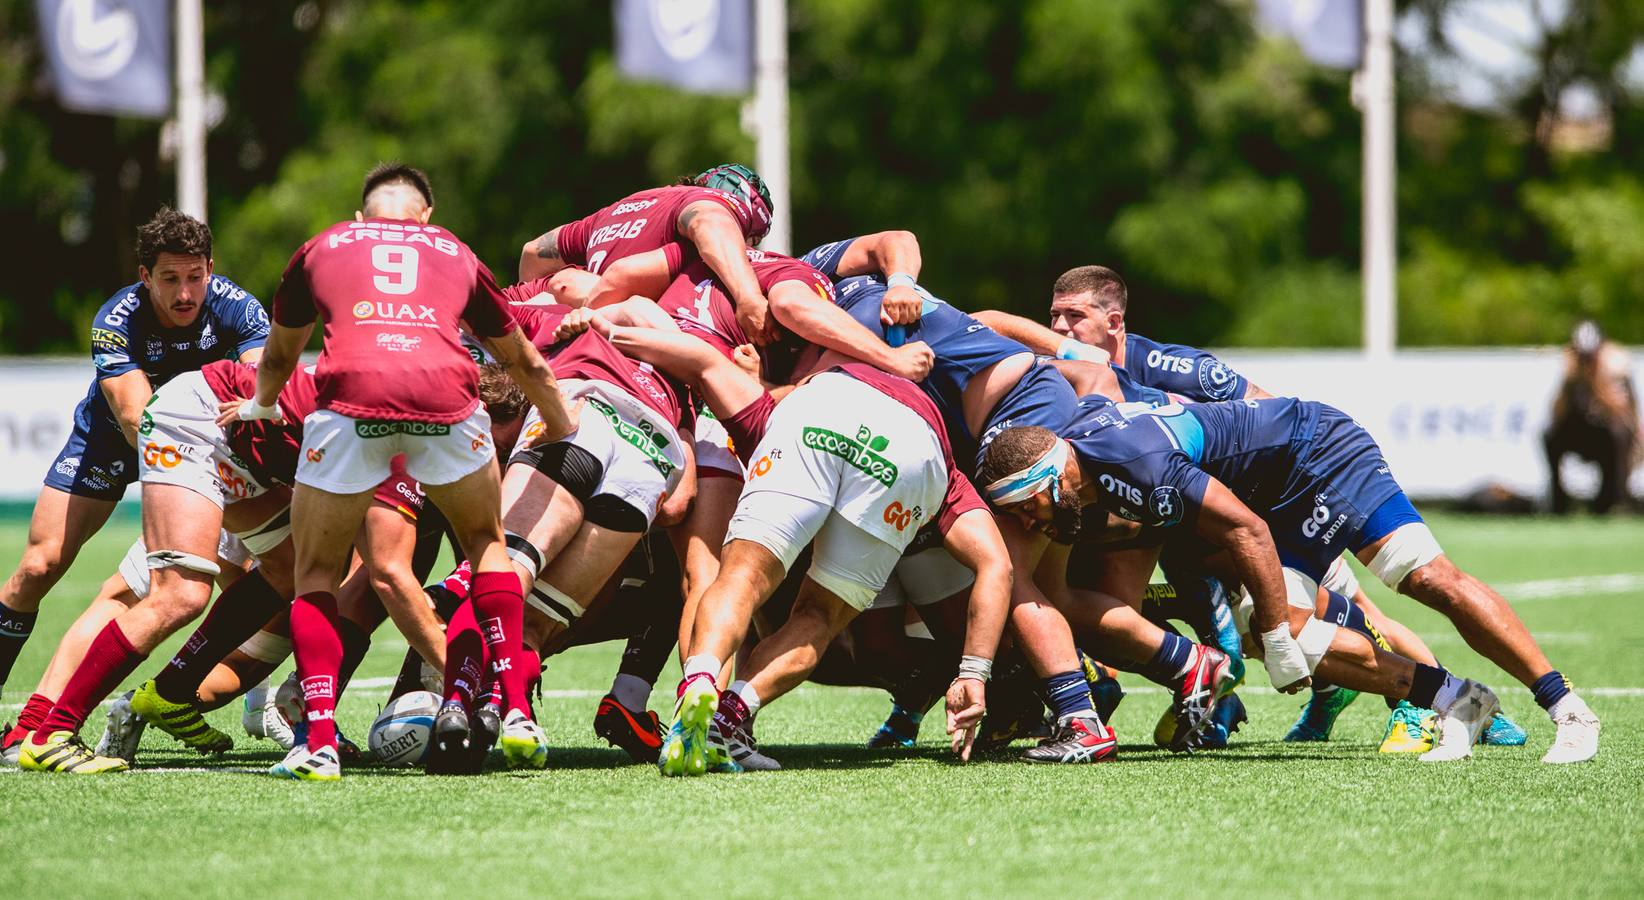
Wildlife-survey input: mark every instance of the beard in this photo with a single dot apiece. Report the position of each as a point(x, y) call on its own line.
point(1066, 518)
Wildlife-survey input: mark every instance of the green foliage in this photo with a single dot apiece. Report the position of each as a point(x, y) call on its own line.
point(1216, 168)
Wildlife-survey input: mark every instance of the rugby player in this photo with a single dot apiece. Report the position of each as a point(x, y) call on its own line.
point(983, 382)
point(1314, 482)
point(860, 490)
point(176, 318)
point(572, 510)
point(713, 216)
point(393, 378)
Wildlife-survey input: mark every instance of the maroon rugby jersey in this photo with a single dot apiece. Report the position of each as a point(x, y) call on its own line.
point(269, 451)
point(390, 294)
point(590, 356)
point(703, 308)
point(642, 222)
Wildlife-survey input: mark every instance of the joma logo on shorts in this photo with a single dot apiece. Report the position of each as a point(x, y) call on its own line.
point(375, 428)
point(860, 453)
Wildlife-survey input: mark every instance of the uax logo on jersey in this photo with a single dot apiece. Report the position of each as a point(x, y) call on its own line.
point(900, 516)
point(166, 457)
point(394, 312)
point(862, 452)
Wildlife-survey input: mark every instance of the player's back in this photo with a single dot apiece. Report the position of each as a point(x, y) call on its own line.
point(1179, 369)
point(391, 294)
point(639, 223)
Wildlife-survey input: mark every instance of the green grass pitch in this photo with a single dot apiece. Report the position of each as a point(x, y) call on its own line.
point(1262, 817)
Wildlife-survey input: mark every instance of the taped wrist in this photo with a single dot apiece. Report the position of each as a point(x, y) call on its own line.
point(900, 279)
point(975, 667)
point(1283, 656)
point(1077, 350)
point(1314, 641)
point(251, 409)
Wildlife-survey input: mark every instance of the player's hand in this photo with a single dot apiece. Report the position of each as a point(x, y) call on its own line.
point(232, 411)
point(575, 322)
point(551, 434)
point(754, 317)
point(1286, 665)
point(746, 357)
point(901, 306)
point(912, 361)
point(966, 706)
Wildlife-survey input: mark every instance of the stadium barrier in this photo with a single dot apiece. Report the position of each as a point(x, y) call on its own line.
point(1450, 421)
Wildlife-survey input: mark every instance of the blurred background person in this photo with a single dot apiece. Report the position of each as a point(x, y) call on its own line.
point(1595, 418)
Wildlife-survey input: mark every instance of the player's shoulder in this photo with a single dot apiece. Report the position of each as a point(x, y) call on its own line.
point(117, 311)
point(225, 292)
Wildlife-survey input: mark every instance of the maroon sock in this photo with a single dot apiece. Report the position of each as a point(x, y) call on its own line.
point(500, 609)
point(109, 659)
point(244, 607)
point(318, 649)
point(464, 658)
point(33, 715)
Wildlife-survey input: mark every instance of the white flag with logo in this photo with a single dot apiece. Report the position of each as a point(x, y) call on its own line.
point(109, 56)
point(705, 46)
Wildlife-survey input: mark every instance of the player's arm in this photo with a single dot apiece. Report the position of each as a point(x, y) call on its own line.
point(895, 255)
point(1226, 522)
point(974, 541)
point(1090, 378)
point(530, 371)
point(673, 507)
point(638, 312)
point(279, 359)
point(541, 256)
point(127, 394)
point(806, 314)
point(725, 387)
point(719, 241)
point(1039, 338)
point(641, 275)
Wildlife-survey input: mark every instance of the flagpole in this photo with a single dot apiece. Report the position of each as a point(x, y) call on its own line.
point(1379, 187)
point(191, 131)
point(771, 114)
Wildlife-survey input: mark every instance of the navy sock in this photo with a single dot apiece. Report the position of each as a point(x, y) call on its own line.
point(15, 628)
point(1550, 688)
point(1067, 693)
point(1169, 660)
point(1424, 686)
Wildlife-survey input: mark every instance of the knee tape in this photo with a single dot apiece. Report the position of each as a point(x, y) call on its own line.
point(1341, 579)
point(1314, 640)
point(554, 603)
point(1407, 549)
point(523, 552)
point(266, 647)
point(161, 559)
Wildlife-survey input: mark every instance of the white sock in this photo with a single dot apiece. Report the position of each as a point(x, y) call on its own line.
point(631, 691)
point(748, 694)
point(1568, 703)
point(1446, 696)
point(703, 664)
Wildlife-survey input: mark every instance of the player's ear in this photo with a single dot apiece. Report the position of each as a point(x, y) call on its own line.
point(427, 213)
point(359, 216)
point(145, 276)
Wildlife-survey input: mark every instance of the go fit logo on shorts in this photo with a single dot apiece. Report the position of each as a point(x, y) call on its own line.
point(166, 457)
point(901, 516)
point(862, 453)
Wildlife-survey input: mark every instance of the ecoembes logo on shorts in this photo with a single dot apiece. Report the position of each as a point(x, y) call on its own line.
point(862, 452)
point(376, 428)
point(643, 436)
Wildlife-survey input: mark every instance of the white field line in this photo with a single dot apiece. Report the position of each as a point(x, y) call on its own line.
point(1548, 588)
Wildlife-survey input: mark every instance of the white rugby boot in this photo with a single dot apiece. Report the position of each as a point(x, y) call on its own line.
point(1460, 725)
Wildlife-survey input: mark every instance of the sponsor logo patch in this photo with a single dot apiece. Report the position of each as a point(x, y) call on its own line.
point(376, 428)
point(862, 452)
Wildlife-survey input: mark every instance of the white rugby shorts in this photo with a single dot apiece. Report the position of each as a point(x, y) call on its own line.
point(180, 443)
point(847, 466)
point(345, 455)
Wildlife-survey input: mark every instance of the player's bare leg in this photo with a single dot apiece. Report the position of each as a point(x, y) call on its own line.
point(386, 543)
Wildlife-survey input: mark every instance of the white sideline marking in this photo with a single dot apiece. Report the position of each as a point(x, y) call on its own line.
point(1547, 588)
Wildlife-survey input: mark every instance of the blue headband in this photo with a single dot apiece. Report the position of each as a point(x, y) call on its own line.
point(1045, 472)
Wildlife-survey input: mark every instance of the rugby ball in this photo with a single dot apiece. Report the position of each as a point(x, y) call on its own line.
point(400, 736)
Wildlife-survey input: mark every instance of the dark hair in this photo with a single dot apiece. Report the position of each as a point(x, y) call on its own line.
point(1099, 281)
point(1013, 450)
point(396, 173)
point(503, 399)
point(172, 232)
